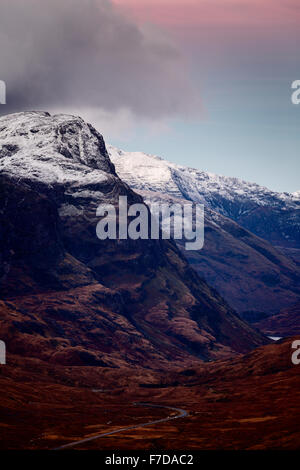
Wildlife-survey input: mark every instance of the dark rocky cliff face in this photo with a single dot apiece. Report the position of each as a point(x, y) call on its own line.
point(30, 229)
point(69, 298)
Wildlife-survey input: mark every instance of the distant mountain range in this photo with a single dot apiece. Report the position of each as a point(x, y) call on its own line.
point(268, 214)
point(69, 298)
point(252, 234)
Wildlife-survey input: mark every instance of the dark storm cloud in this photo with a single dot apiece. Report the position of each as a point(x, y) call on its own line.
point(84, 54)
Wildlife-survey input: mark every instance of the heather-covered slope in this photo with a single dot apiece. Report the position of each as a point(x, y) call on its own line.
point(70, 298)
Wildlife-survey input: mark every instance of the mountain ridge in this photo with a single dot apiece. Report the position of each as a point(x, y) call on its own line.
point(213, 181)
point(257, 278)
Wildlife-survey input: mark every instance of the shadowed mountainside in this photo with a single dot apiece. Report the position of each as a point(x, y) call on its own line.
point(70, 298)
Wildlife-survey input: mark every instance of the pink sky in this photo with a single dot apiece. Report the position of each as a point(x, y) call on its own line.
point(243, 56)
point(214, 12)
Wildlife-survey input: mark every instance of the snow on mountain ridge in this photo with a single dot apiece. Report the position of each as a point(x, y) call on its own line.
point(296, 195)
point(52, 149)
point(251, 274)
point(145, 172)
point(140, 168)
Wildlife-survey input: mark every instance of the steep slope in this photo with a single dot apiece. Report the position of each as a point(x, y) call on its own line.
point(253, 276)
point(70, 298)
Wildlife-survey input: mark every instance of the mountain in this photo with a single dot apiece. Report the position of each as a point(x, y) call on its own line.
point(268, 214)
point(69, 298)
point(255, 277)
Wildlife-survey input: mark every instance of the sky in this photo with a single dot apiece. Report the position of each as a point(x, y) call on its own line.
point(203, 83)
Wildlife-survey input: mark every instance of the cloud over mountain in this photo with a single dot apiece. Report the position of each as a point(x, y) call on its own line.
point(86, 54)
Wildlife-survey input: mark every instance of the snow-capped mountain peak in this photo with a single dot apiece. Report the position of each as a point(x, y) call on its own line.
point(151, 173)
point(296, 195)
point(52, 149)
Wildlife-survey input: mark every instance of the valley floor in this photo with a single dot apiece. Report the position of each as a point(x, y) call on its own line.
point(250, 402)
